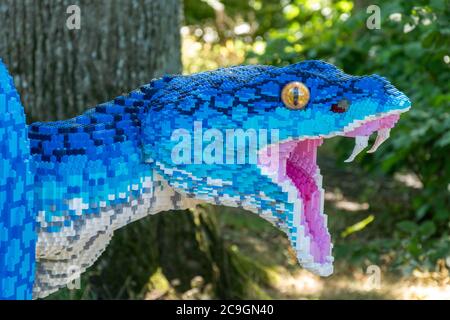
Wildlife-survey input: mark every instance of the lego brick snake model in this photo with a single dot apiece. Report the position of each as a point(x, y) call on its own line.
point(66, 186)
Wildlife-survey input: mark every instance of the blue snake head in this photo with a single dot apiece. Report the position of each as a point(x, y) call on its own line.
point(242, 136)
point(248, 137)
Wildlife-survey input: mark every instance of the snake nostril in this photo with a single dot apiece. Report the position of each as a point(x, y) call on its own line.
point(340, 107)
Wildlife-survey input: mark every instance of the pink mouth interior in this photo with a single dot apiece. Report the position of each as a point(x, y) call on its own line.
point(298, 164)
point(374, 125)
point(301, 168)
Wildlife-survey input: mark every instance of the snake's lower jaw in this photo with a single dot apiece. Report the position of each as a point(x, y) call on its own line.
point(296, 172)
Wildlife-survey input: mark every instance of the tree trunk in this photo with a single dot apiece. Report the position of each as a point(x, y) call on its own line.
point(60, 72)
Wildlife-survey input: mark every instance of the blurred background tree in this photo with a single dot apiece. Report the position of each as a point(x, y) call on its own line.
point(391, 208)
point(61, 72)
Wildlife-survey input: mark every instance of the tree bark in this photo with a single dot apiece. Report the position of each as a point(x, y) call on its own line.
point(60, 72)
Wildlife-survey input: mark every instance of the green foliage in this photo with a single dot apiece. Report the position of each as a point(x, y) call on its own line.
point(262, 15)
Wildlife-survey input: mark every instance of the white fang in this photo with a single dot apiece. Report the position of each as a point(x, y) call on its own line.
point(361, 143)
point(383, 135)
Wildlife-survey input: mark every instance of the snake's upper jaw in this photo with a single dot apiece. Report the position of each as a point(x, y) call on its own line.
point(361, 143)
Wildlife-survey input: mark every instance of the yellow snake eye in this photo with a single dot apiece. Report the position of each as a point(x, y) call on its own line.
point(295, 95)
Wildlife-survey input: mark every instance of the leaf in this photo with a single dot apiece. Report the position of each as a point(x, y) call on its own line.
point(427, 229)
point(438, 4)
point(407, 226)
point(429, 40)
point(414, 247)
point(357, 226)
point(444, 140)
point(422, 211)
point(414, 49)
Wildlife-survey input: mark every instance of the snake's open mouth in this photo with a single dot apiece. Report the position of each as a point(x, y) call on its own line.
point(298, 175)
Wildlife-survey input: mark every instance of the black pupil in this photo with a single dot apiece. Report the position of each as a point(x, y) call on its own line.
point(296, 94)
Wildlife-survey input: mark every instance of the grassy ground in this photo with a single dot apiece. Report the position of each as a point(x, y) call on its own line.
point(262, 243)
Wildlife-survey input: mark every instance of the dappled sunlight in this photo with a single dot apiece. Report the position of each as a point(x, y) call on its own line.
point(428, 293)
point(358, 285)
point(347, 283)
point(213, 55)
point(409, 180)
point(303, 283)
point(340, 202)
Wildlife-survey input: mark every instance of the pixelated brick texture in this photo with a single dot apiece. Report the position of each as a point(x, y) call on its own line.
point(17, 228)
point(113, 164)
point(90, 179)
